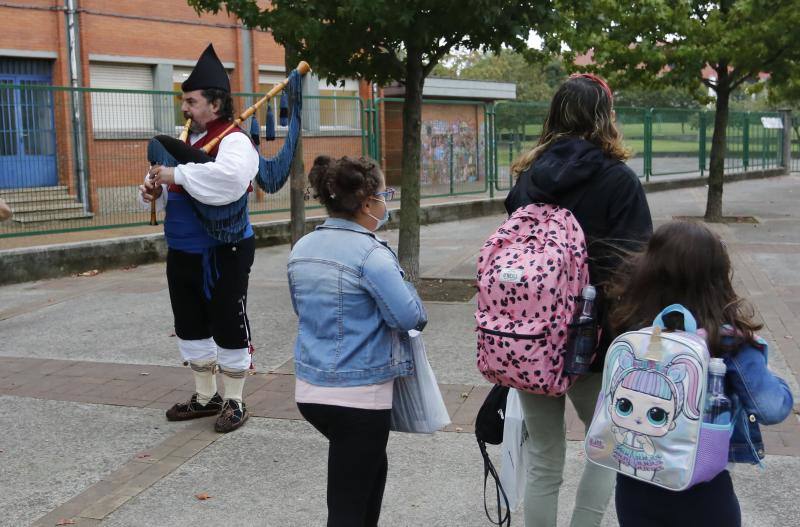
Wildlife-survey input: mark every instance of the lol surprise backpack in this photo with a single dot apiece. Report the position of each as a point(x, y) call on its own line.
point(530, 275)
point(648, 422)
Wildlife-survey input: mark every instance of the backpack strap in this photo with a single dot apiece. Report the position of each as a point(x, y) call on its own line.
point(503, 519)
point(689, 322)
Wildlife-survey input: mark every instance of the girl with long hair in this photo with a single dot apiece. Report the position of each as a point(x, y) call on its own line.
point(578, 164)
point(686, 263)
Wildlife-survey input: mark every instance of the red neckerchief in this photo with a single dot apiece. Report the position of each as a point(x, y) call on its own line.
point(213, 129)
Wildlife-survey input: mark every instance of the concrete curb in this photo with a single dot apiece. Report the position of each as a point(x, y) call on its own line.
point(672, 184)
point(53, 261)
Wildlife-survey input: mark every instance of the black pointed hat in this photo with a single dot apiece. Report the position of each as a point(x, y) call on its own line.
point(208, 73)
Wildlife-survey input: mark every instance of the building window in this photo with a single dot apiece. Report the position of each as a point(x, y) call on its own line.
point(267, 81)
point(178, 76)
point(338, 105)
point(121, 114)
point(8, 121)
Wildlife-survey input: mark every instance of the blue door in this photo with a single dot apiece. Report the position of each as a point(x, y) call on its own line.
point(27, 132)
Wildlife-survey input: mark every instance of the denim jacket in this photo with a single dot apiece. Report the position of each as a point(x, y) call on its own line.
point(759, 397)
point(351, 300)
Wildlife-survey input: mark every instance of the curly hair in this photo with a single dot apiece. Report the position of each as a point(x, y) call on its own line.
point(342, 185)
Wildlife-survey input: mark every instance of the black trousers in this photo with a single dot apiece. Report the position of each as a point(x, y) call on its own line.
point(711, 504)
point(357, 462)
point(224, 316)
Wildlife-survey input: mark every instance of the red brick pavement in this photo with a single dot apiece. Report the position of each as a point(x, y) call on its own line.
point(267, 394)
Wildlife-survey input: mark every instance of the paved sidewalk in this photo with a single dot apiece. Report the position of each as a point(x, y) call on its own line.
point(87, 365)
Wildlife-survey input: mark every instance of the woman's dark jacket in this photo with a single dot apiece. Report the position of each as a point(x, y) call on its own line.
point(606, 198)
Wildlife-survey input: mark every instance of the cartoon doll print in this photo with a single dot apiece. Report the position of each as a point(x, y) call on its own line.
point(645, 399)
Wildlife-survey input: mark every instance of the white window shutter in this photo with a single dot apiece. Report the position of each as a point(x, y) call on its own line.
point(122, 112)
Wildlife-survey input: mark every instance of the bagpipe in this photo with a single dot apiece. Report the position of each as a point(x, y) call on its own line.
point(222, 222)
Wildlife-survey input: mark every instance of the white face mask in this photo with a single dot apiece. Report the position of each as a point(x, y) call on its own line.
point(381, 221)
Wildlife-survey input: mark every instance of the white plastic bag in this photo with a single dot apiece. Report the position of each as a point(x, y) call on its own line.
point(417, 404)
point(512, 451)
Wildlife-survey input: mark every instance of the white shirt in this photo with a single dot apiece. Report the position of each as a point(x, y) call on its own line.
point(218, 182)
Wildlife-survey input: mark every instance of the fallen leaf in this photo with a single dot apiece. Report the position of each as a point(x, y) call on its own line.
point(464, 395)
point(202, 496)
point(66, 522)
point(93, 272)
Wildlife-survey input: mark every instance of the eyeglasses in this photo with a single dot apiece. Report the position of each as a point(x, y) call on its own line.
point(387, 194)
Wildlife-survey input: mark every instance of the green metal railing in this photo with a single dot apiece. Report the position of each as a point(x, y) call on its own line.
point(88, 158)
point(662, 141)
point(72, 159)
point(517, 129)
point(795, 144)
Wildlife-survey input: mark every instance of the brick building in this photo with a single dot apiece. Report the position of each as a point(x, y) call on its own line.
point(88, 145)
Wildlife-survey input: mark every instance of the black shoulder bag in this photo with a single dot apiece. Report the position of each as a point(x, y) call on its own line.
point(489, 429)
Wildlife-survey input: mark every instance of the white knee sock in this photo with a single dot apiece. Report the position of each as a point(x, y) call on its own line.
point(205, 379)
point(234, 384)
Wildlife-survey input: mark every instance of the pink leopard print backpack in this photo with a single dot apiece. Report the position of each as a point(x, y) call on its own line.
point(530, 275)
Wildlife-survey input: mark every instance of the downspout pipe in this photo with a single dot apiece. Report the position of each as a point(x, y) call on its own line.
point(78, 111)
point(246, 43)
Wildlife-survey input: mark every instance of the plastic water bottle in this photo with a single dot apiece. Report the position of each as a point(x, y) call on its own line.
point(582, 335)
point(718, 406)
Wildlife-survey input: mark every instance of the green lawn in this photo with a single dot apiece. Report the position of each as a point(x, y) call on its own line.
point(634, 129)
point(504, 157)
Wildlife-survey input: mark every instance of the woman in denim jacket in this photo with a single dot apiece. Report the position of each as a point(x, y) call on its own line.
point(350, 297)
point(685, 263)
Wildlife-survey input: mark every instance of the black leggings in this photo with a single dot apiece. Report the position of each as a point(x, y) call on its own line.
point(711, 504)
point(357, 462)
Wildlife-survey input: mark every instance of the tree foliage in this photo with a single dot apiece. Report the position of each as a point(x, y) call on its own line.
point(664, 97)
point(535, 81)
point(390, 40)
point(655, 43)
point(371, 39)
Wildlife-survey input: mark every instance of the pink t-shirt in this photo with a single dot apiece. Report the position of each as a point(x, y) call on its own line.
point(368, 397)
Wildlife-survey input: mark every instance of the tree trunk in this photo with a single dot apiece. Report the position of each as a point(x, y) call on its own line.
point(718, 146)
point(297, 176)
point(410, 190)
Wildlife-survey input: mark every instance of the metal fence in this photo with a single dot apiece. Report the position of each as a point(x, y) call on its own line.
point(663, 142)
point(795, 144)
point(72, 159)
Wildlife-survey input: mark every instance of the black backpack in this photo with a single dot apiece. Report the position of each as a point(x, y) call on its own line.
point(489, 429)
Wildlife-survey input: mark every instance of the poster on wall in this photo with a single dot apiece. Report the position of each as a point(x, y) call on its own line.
point(450, 149)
